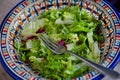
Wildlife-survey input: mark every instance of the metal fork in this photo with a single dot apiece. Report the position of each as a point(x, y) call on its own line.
point(59, 49)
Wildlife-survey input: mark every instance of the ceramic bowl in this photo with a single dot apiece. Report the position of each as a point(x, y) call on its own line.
point(28, 10)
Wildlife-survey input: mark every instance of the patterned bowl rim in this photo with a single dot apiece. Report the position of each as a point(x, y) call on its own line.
point(115, 62)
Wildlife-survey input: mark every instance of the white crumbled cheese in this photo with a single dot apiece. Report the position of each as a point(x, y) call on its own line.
point(70, 46)
point(75, 37)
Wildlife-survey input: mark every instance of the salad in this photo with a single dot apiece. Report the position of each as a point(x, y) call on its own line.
point(71, 27)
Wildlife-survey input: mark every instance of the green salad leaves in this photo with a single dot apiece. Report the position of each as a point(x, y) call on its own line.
point(76, 29)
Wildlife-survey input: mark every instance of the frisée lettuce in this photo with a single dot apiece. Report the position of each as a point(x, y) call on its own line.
point(71, 27)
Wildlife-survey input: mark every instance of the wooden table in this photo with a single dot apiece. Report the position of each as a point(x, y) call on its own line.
point(5, 6)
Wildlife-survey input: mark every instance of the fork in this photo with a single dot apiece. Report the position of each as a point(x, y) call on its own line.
point(59, 49)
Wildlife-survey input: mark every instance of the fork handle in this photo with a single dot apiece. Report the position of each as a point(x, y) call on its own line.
point(105, 71)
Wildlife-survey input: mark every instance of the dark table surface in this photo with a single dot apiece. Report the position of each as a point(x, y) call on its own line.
point(6, 5)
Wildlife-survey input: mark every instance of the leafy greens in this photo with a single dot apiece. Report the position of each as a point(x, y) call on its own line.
point(76, 29)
